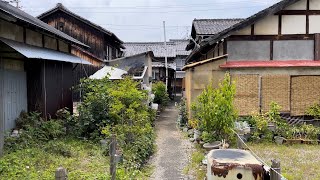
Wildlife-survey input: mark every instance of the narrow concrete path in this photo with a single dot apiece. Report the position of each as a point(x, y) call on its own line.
point(173, 150)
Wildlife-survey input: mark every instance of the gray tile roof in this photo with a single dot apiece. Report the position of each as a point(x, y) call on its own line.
point(213, 26)
point(175, 47)
point(12, 11)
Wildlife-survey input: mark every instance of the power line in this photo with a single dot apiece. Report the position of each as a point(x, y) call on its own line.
point(162, 12)
point(167, 6)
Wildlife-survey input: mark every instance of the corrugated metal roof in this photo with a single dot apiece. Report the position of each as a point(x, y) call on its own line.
point(272, 64)
point(21, 15)
point(34, 52)
point(213, 26)
point(174, 48)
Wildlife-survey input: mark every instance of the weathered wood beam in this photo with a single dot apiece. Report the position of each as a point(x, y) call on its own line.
point(317, 47)
point(298, 12)
point(270, 37)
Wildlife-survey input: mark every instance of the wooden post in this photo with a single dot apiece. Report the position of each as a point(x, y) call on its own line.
point(275, 171)
point(61, 174)
point(113, 163)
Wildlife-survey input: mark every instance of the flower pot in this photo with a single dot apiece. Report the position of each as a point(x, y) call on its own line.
point(279, 140)
point(214, 145)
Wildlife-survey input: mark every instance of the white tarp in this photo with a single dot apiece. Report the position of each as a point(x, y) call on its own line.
point(114, 73)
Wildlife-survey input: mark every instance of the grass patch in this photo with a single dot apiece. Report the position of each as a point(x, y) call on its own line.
point(297, 161)
point(195, 167)
point(84, 160)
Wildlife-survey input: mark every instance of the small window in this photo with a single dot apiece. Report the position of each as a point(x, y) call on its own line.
point(61, 26)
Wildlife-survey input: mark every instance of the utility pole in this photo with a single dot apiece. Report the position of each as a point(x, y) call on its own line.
point(15, 2)
point(166, 54)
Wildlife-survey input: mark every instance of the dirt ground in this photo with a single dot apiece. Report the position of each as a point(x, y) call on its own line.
point(173, 150)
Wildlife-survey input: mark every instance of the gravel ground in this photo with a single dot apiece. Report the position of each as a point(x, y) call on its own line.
point(173, 150)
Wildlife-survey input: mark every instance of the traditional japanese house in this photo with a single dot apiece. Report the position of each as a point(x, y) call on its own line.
point(35, 67)
point(272, 56)
point(104, 45)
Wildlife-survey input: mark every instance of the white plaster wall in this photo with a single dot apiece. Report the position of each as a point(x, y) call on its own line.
point(314, 24)
point(221, 49)
point(244, 31)
point(293, 50)
point(248, 50)
point(216, 52)
point(314, 5)
point(300, 5)
point(11, 31)
point(293, 24)
point(267, 26)
point(34, 38)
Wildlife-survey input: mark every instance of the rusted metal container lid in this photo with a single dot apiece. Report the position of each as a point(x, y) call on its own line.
point(233, 156)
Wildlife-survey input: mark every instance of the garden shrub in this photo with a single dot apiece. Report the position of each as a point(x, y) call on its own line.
point(119, 108)
point(161, 95)
point(34, 130)
point(314, 111)
point(132, 121)
point(183, 112)
point(94, 110)
point(215, 110)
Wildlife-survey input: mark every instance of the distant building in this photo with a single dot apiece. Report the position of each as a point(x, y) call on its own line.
point(176, 55)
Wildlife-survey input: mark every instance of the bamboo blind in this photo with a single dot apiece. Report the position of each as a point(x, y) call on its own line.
point(247, 94)
point(304, 93)
point(275, 88)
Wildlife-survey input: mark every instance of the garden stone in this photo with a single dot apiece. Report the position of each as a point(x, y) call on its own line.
point(191, 139)
point(279, 140)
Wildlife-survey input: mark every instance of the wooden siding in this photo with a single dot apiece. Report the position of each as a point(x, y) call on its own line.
point(49, 86)
point(99, 43)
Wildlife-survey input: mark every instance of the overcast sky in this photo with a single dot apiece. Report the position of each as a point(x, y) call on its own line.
point(141, 20)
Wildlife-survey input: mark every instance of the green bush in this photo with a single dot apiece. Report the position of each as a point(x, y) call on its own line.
point(34, 130)
point(94, 110)
point(314, 111)
point(183, 112)
point(215, 111)
point(161, 95)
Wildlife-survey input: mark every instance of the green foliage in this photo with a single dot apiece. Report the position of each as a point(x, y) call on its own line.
point(161, 95)
point(215, 111)
point(119, 108)
point(34, 130)
point(314, 111)
point(183, 112)
point(95, 108)
point(132, 122)
point(82, 159)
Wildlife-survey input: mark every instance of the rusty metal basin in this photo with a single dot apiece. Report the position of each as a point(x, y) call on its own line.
point(233, 164)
